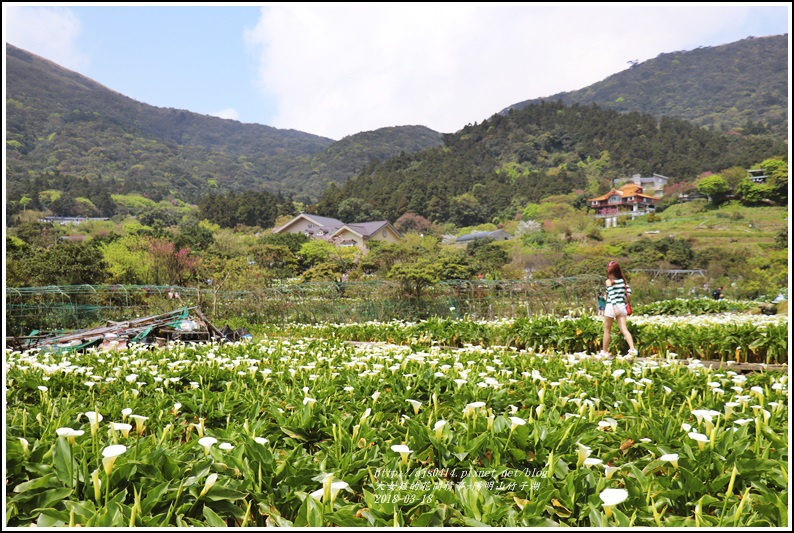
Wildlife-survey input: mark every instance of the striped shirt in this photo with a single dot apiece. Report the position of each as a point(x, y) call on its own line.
point(616, 293)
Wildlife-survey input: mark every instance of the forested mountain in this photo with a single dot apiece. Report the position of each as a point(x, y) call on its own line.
point(741, 86)
point(348, 156)
point(61, 125)
point(60, 121)
point(492, 169)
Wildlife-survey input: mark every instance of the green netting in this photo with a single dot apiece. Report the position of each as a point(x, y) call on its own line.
point(82, 306)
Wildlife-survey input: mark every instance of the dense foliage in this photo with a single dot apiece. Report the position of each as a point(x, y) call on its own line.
point(323, 433)
point(702, 86)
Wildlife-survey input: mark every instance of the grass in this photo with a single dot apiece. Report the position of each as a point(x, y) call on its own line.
point(730, 226)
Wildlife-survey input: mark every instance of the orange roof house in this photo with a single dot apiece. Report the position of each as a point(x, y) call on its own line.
point(628, 199)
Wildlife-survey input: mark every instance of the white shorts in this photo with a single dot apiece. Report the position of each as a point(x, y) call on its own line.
point(615, 310)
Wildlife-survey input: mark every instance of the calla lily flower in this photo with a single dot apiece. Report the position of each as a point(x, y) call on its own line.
point(94, 419)
point(121, 426)
point(329, 490)
point(97, 484)
point(226, 446)
point(139, 422)
point(439, 428)
point(109, 455)
point(211, 479)
point(672, 457)
point(515, 422)
point(584, 453)
point(403, 450)
point(207, 443)
point(610, 470)
point(729, 408)
point(261, 440)
point(592, 461)
point(416, 405)
point(700, 438)
point(471, 408)
point(612, 497)
point(69, 433)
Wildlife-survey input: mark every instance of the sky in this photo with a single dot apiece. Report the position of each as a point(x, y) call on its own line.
point(338, 69)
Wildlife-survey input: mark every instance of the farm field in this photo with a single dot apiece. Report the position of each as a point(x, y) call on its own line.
point(323, 432)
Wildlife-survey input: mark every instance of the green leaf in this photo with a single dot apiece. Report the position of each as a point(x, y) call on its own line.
point(48, 480)
point(51, 518)
point(218, 493)
point(62, 459)
point(295, 433)
point(213, 520)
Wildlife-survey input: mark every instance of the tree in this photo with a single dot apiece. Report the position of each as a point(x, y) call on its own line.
point(715, 187)
point(487, 257)
point(293, 241)
point(415, 276)
point(314, 252)
point(466, 210)
point(128, 260)
point(172, 266)
point(777, 179)
point(352, 210)
point(412, 222)
point(65, 205)
point(753, 194)
point(64, 263)
point(277, 259)
point(195, 237)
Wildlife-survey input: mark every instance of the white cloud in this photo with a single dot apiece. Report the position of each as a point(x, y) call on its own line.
point(341, 69)
point(229, 113)
point(50, 32)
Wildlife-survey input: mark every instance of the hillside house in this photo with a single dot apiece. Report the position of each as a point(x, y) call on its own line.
point(627, 200)
point(66, 221)
point(757, 175)
point(339, 233)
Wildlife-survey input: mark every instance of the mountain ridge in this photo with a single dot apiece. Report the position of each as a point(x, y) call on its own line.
point(59, 120)
point(704, 73)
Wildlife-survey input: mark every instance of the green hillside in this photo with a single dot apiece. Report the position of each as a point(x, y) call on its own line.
point(490, 171)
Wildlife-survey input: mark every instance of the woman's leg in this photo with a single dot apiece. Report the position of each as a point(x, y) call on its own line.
point(607, 334)
point(625, 330)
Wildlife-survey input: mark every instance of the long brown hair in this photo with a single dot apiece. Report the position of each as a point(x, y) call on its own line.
point(613, 269)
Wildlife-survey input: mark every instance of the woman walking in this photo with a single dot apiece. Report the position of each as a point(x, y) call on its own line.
point(617, 292)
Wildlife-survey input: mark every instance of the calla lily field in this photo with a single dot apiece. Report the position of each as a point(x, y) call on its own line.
point(436, 423)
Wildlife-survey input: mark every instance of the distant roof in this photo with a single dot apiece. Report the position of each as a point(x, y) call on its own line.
point(321, 222)
point(496, 235)
point(367, 229)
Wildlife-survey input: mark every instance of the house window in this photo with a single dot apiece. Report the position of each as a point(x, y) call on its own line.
point(614, 199)
point(384, 233)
